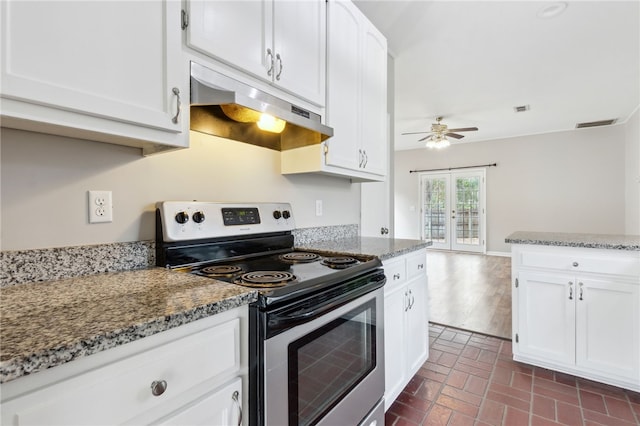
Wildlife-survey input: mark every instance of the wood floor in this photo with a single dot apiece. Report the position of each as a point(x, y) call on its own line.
point(470, 291)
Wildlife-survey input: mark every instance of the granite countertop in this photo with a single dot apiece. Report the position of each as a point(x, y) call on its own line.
point(383, 248)
point(46, 324)
point(600, 241)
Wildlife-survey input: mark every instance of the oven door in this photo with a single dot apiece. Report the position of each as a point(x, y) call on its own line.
point(330, 370)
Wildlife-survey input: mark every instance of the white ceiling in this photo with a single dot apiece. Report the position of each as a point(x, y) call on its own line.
point(473, 62)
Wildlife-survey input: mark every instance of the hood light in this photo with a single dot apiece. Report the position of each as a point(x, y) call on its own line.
point(271, 124)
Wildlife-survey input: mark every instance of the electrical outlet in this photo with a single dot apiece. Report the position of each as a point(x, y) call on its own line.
point(318, 207)
point(100, 207)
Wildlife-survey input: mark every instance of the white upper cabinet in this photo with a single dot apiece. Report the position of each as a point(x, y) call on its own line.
point(281, 42)
point(356, 101)
point(101, 70)
point(357, 91)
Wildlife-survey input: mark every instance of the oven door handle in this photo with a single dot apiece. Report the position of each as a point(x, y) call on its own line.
point(297, 315)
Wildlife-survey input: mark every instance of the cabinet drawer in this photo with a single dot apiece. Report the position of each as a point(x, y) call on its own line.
point(121, 390)
point(417, 264)
point(220, 407)
point(396, 273)
point(602, 263)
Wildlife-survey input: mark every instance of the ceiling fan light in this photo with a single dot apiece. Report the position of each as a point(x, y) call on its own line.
point(438, 141)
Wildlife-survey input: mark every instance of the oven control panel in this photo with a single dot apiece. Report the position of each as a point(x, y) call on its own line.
point(192, 220)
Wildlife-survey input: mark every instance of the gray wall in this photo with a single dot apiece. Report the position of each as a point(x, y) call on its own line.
point(45, 180)
point(632, 175)
point(570, 181)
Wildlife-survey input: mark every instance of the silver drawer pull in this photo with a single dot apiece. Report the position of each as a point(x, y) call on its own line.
point(396, 276)
point(158, 387)
point(420, 266)
point(236, 400)
point(575, 264)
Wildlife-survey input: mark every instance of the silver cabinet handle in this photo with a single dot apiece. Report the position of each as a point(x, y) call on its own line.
point(570, 290)
point(411, 300)
point(366, 159)
point(575, 264)
point(270, 61)
point(176, 92)
point(406, 301)
point(236, 399)
point(280, 66)
point(420, 266)
point(361, 158)
point(396, 276)
point(580, 285)
point(158, 387)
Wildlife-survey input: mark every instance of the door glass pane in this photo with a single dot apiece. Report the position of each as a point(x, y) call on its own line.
point(467, 210)
point(435, 216)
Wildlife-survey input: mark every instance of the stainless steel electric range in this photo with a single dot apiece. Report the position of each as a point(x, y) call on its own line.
point(316, 331)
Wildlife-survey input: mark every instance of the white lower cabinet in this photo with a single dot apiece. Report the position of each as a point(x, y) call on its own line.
point(193, 374)
point(578, 311)
point(406, 316)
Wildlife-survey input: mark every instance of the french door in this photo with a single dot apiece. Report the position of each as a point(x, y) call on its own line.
point(453, 210)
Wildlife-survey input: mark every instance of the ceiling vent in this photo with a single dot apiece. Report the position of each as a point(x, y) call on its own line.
point(521, 108)
point(596, 123)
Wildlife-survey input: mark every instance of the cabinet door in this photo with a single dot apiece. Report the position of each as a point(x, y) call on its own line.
point(546, 316)
point(299, 34)
point(374, 101)
point(608, 327)
point(118, 61)
point(417, 324)
point(235, 32)
point(343, 79)
point(220, 407)
point(395, 303)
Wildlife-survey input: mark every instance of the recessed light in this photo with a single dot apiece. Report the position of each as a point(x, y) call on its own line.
point(552, 10)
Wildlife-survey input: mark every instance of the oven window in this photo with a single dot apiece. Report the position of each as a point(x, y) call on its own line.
point(328, 363)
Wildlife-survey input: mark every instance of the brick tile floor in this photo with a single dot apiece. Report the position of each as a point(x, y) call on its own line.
point(471, 379)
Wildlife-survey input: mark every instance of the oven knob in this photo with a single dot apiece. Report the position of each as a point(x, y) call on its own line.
point(198, 217)
point(182, 217)
point(277, 214)
point(286, 214)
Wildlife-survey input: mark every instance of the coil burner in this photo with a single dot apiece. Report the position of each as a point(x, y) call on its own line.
point(339, 262)
point(300, 257)
point(265, 279)
point(221, 270)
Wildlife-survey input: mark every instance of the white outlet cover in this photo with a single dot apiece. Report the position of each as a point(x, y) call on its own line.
point(100, 207)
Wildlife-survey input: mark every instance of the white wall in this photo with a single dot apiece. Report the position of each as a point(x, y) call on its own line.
point(570, 181)
point(45, 180)
point(632, 177)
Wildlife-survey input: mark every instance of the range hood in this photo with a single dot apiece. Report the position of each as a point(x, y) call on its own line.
point(222, 106)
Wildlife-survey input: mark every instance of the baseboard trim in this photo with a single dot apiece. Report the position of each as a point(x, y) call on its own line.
point(499, 253)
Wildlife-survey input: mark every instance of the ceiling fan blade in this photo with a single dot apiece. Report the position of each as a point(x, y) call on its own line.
point(454, 135)
point(414, 133)
point(425, 138)
point(464, 129)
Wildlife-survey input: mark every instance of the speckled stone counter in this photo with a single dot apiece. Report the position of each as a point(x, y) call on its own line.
point(384, 248)
point(599, 241)
point(47, 324)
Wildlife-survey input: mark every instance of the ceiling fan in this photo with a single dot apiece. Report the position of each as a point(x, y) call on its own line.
point(437, 137)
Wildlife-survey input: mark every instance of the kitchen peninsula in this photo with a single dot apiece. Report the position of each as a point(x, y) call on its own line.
point(576, 304)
